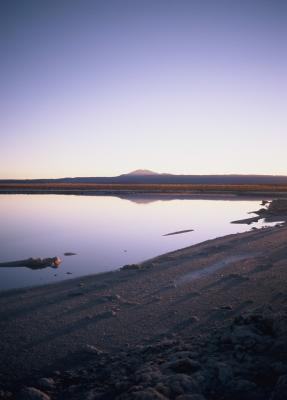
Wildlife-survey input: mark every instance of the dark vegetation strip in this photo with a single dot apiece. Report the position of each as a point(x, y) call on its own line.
point(144, 187)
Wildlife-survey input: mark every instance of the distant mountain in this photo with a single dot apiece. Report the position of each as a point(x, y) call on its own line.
point(200, 179)
point(143, 176)
point(141, 172)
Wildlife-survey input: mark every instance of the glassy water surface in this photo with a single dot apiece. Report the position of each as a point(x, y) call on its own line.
point(105, 232)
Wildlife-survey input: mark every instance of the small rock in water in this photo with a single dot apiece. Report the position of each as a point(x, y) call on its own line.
point(264, 202)
point(178, 232)
point(56, 261)
point(68, 253)
point(69, 273)
point(38, 263)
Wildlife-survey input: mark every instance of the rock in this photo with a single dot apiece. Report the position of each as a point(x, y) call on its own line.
point(31, 393)
point(38, 263)
point(184, 366)
point(46, 383)
point(225, 373)
point(182, 384)
point(147, 394)
point(278, 206)
point(164, 390)
point(256, 322)
point(205, 379)
point(93, 349)
point(225, 338)
point(111, 313)
point(247, 221)
point(245, 337)
point(5, 394)
point(93, 394)
point(190, 397)
point(243, 385)
point(280, 347)
point(75, 294)
point(227, 307)
point(280, 391)
point(264, 202)
point(68, 253)
point(177, 355)
point(280, 368)
point(131, 267)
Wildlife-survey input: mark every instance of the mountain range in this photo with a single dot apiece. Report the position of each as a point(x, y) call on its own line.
point(145, 176)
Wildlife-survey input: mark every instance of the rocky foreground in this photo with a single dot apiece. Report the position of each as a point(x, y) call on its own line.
point(246, 361)
point(206, 322)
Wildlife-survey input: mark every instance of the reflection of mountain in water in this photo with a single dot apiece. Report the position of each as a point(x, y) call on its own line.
point(142, 198)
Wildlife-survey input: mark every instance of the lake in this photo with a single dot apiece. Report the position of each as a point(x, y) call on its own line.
point(105, 232)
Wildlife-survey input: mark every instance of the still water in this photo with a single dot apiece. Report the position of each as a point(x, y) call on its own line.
point(105, 232)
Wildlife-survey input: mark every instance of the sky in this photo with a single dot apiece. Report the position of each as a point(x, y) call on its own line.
point(100, 88)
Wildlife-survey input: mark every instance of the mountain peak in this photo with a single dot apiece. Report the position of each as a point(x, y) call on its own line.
point(142, 172)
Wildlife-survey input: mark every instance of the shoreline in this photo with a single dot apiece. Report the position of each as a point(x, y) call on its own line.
point(145, 264)
point(140, 266)
point(146, 190)
point(39, 264)
point(158, 194)
point(45, 327)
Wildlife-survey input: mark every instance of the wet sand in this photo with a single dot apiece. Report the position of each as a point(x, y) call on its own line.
point(183, 293)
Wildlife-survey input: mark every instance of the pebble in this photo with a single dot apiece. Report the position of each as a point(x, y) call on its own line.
point(185, 366)
point(46, 383)
point(228, 308)
point(280, 391)
point(93, 349)
point(31, 393)
point(190, 397)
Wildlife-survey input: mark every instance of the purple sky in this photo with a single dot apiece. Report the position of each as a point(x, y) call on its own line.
point(92, 88)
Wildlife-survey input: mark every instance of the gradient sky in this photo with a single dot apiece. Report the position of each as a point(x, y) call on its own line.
point(99, 88)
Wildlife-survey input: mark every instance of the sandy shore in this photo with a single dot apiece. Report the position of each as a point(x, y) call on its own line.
point(193, 291)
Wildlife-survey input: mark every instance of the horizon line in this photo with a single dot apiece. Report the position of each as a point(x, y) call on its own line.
point(147, 175)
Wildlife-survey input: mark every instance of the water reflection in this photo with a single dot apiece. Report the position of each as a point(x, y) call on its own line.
point(105, 232)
